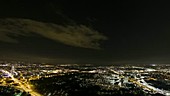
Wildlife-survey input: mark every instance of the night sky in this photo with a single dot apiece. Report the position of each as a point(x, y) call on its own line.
point(85, 31)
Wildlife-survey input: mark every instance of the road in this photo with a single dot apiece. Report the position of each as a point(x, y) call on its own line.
point(22, 85)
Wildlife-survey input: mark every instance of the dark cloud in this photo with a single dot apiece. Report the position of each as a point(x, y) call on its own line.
point(77, 35)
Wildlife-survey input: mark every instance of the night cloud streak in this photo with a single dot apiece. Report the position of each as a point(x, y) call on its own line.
point(78, 36)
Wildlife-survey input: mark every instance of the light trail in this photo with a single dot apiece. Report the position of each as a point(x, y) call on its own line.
point(26, 88)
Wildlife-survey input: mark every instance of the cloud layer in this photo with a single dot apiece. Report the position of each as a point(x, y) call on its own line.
point(78, 36)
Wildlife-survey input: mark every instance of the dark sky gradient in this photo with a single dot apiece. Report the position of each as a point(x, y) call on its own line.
point(137, 31)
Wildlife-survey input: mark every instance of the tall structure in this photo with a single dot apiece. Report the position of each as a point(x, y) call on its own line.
point(13, 70)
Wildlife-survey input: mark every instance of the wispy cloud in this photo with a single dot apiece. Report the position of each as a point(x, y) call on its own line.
point(77, 35)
